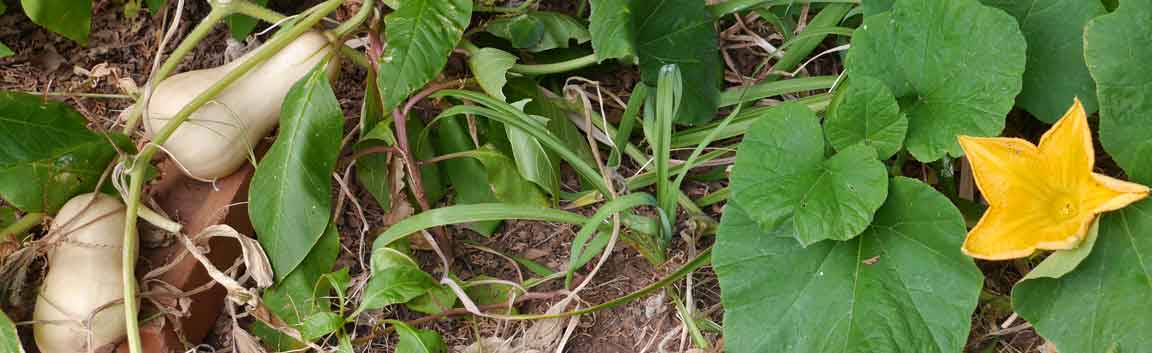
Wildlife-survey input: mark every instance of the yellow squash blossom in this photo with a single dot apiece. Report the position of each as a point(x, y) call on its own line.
point(1040, 197)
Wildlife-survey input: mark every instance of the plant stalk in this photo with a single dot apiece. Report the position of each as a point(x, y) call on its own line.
point(553, 68)
point(139, 163)
point(22, 225)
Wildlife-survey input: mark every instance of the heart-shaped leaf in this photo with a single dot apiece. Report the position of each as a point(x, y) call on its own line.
point(864, 111)
point(1055, 72)
point(951, 77)
point(783, 179)
point(1102, 305)
point(901, 286)
point(49, 155)
point(679, 32)
point(1113, 45)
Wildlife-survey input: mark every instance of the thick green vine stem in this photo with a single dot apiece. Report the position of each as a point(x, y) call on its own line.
point(22, 225)
point(138, 165)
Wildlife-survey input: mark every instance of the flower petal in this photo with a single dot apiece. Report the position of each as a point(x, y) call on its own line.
point(1004, 167)
point(1005, 234)
point(1067, 147)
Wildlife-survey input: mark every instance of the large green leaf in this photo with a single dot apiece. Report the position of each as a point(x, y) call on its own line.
point(1114, 45)
point(679, 32)
point(9, 340)
point(48, 154)
point(864, 111)
point(1056, 72)
point(610, 26)
point(298, 298)
point(70, 18)
point(5, 50)
point(291, 194)
point(540, 30)
point(1103, 305)
point(783, 179)
point(954, 66)
point(901, 287)
point(421, 34)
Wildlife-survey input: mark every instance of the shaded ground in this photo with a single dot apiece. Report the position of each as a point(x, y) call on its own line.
point(46, 62)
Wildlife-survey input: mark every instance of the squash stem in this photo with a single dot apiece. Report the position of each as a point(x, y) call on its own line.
point(256, 11)
point(361, 15)
point(553, 68)
point(22, 225)
point(139, 164)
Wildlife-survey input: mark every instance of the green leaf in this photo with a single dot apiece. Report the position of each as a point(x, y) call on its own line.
point(241, 25)
point(546, 104)
point(1102, 305)
point(506, 183)
point(534, 161)
point(538, 31)
point(436, 300)
point(372, 170)
point(291, 192)
point(9, 339)
point(320, 324)
point(901, 286)
point(490, 66)
point(1113, 45)
point(50, 155)
point(610, 27)
point(1063, 261)
point(783, 179)
point(296, 298)
point(69, 18)
point(679, 32)
point(462, 173)
point(864, 111)
point(5, 50)
point(395, 279)
point(421, 34)
point(1055, 72)
point(951, 77)
point(416, 340)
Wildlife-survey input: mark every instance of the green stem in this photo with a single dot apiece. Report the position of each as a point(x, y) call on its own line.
point(356, 57)
point(256, 11)
point(348, 26)
point(554, 68)
point(22, 225)
point(138, 166)
point(198, 33)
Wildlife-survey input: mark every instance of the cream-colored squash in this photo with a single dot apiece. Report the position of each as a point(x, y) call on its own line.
point(216, 140)
point(85, 277)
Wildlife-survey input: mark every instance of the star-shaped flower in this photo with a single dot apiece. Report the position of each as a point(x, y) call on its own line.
point(1040, 197)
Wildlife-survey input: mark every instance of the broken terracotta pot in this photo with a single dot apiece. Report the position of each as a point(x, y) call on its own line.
point(196, 205)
